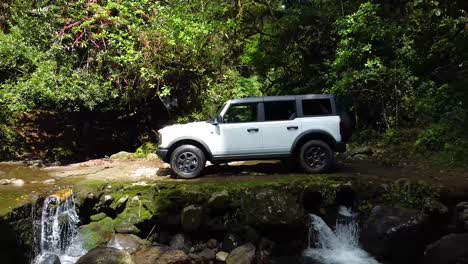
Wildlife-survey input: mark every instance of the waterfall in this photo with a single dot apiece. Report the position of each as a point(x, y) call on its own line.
point(335, 247)
point(58, 229)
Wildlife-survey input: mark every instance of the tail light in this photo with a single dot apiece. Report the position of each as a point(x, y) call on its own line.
point(344, 130)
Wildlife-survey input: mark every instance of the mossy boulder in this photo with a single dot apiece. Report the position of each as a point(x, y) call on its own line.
point(106, 255)
point(219, 201)
point(97, 233)
point(98, 217)
point(270, 207)
point(192, 217)
point(137, 210)
point(121, 226)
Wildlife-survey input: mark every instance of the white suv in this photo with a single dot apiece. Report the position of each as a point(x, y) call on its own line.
point(307, 128)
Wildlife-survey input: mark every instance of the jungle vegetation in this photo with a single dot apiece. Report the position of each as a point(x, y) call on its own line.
point(400, 66)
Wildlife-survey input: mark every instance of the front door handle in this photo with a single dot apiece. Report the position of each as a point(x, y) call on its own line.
point(292, 127)
point(252, 129)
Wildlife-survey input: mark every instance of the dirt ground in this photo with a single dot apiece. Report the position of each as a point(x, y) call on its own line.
point(38, 181)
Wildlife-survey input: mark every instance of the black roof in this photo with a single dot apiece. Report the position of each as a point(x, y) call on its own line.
point(281, 98)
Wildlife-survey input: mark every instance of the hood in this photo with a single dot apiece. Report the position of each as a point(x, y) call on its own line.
point(187, 126)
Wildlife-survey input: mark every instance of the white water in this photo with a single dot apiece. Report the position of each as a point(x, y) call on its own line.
point(58, 229)
point(336, 247)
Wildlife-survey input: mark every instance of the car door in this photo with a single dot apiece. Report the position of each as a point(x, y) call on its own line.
point(280, 127)
point(239, 133)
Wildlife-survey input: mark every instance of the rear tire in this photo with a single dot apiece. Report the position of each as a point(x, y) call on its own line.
point(188, 161)
point(316, 156)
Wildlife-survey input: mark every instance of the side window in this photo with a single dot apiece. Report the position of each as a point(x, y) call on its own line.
point(314, 107)
point(280, 110)
point(241, 113)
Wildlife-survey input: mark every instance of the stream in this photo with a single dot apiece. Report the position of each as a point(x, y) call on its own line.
point(340, 246)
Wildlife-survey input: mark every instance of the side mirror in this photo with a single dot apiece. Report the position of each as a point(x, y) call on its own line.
point(217, 120)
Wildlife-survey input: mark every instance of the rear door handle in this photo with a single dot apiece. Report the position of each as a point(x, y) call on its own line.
point(292, 127)
point(252, 129)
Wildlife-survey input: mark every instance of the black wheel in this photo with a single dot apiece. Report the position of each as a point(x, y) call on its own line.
point(316, 156)
point(187, 161)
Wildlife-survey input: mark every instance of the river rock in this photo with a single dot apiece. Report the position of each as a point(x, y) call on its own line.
point(122, 155)
point(191, 217)
point(204, 256)
point(126, 242)
point(219, 201)
point(395, 234)
point(98, 217)
point(462, 215)
point(106, 255)
point(161, 255)
point(49, 181)
point(363, 150)
point(265, 251)
point(270, 208)
point(242, 255)
point(50, 259)
point(212, 243)
point(178, 242)
point(230, 242)
point(5, 181)
point(17, 182)
point(222, 256)
point(450, 249)
point(97, 233)
point(123, 227)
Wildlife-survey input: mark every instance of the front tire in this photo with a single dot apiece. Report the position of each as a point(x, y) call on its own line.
point(316, 156)
point(188, 161)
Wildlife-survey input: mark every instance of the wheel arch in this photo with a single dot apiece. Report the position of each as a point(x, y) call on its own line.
point(313, 135)
point(189, 141)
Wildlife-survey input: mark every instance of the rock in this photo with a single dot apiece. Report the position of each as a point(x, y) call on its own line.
point(122, 155)
point(242, 255)
point(230, 242)
point(212, 243)
point(106, 255)
point(49, 181)
point(152, 156)
point(395, 234)
point(161, 255)
point(5, 181)
point(98, 217)
point(191, 217)
point(198, 247)
point(35, 163)
point(435, 208)
point(219, 201)
point(450, 249)
point(97, 233)
point(123, 227)
point(265, 250)
point(178, 241)
point(203, 256)
point(462, 215)
point(270, 208)
point(50, 259)
point(364, 150)
point(17, 182)
point(222, 256)
point(462, 206)
point(136, 211)
point(128, 243)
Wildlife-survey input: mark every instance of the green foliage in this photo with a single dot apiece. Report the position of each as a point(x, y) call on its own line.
point(395, 65)
point(410, 194)
point(145, 149)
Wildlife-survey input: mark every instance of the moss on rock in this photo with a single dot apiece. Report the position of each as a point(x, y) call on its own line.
point(97, 233)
